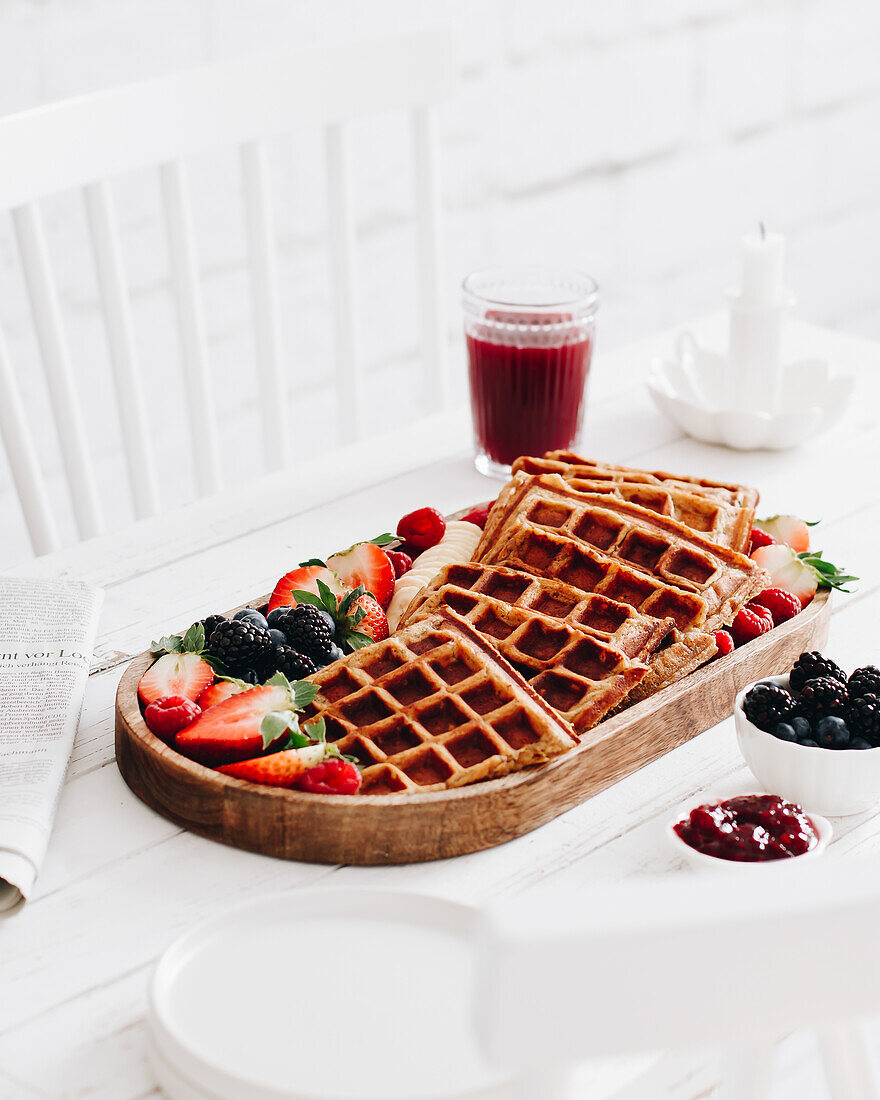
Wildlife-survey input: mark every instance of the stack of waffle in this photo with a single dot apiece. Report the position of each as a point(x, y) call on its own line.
point(592, 587)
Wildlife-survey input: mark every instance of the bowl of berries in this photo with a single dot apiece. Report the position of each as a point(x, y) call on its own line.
point(814, 735)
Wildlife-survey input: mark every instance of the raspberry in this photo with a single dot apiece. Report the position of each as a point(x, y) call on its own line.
point(724, 641)
point(330, 777)
point(782, 605)
point(401, 562)
point(760, 538)
point(480, 514)
point(170, 714)
point(751, 622)
point(422, 528)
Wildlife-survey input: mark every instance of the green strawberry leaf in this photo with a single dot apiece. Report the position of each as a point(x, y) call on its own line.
point(316, 729)
point(308, 597)
point(218, 666)
point(278, 722)
point(278, 679)
point(357, 640)
point(384, 540)
point(312, 561)
point(304, 692)
point(172, 644)
point(827, 574)
point(194, 639)
point(329, 599)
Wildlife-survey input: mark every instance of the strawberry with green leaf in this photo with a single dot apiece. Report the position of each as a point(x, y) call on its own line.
point(358, 617)
point(800, 573)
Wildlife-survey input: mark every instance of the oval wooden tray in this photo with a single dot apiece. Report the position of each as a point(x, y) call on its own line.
point(406, 828)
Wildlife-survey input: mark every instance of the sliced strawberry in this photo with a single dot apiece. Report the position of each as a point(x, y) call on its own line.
point(366, 564)
point(216, 693)
point(278, 769)
point(304, 579)
point(787, 571)
point(790, 530)
point(231, 730)
point(183, 674)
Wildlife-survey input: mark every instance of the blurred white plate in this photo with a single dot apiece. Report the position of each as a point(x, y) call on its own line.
point(313, 995)
point(689, 389)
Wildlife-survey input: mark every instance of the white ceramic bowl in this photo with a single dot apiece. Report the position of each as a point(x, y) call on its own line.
point(836, 782)
point(701, 861)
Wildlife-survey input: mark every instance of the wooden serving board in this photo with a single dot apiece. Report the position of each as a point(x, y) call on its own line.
point(408, 828)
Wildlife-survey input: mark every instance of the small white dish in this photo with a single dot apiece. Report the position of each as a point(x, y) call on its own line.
point(836, 782)
point(701, 861)
point(689, 389)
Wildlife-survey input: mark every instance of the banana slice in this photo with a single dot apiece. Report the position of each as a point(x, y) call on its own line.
point(457, 544)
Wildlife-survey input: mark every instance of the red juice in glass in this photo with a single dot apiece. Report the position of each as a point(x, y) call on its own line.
point(529, 340)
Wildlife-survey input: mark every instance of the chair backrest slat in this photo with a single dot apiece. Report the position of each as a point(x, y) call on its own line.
point(264, 292)
point(123, 356)
point(191, 324)
point(342, 266)
point(429, 254)
point(22, 455)
point(43, 296)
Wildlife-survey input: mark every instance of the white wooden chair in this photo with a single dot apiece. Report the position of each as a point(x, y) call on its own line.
point(85, 142)
point(734, 960)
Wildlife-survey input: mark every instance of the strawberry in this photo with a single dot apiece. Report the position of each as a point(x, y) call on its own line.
point(480, 514)
point(216, 693)
point(278, 769)
point(782, 605)
point(330, 777)
point(724, 641)
point(750, 622)
point(183, 674)
point(167, 716)
point(801, 574)
point(231, 730)
point(401, 562)
point(304, 579)
point(790, 530)
point(374, 622)
point(759, 538)
point(367, 564)
point(423, 528)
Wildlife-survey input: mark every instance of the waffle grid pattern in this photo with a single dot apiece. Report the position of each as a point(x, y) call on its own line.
point(434, 707)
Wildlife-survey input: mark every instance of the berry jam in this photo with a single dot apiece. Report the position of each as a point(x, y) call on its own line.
point(752, 828)
point(527, 400)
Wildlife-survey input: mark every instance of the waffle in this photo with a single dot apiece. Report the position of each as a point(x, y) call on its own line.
point(580, 676)
point(621, 626)
point(656, 547)
point(435, 706)
point(685, 652)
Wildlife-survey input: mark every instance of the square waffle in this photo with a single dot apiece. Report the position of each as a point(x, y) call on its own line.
point(618, 624)
point(580, 676)
point(435, 706)
point(654, 545)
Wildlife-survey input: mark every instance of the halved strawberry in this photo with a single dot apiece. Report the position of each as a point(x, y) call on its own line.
point(216, 693)
point(304, 579)
point(278, 769)
point(183, 674)
point(231, 730)
point(791, 530)
point(801, 574)
point(366, 564)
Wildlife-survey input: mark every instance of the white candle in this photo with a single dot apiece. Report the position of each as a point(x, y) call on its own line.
point(763, 268)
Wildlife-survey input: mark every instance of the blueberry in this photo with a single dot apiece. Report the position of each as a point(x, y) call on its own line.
point(251, 615)
point(277, 636)
point(785, 732)
point(832, 733)
point(249, 675)
point(860, 743)
point(275, 614)
point(336, 653)
point(808, 743)
point(801, 727)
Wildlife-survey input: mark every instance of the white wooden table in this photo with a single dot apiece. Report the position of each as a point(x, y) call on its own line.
point(120, 883)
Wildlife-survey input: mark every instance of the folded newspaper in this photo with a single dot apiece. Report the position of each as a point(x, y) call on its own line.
point(47, 635)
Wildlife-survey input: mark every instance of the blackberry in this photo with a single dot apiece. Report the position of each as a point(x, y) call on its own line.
point(812, 666)
point(295, 666)
point(863, 717)
point(240, 644)
point(865, 681)
point(766, 705)
point(210, 624)
point(823, 697)
point(307, 632)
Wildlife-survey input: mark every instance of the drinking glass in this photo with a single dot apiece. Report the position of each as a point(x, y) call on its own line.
point(530, 334)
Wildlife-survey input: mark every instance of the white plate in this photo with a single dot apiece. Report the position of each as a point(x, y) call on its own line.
point(322, 995)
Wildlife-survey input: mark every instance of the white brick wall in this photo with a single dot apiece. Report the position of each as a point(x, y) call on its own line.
point(636, 139)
